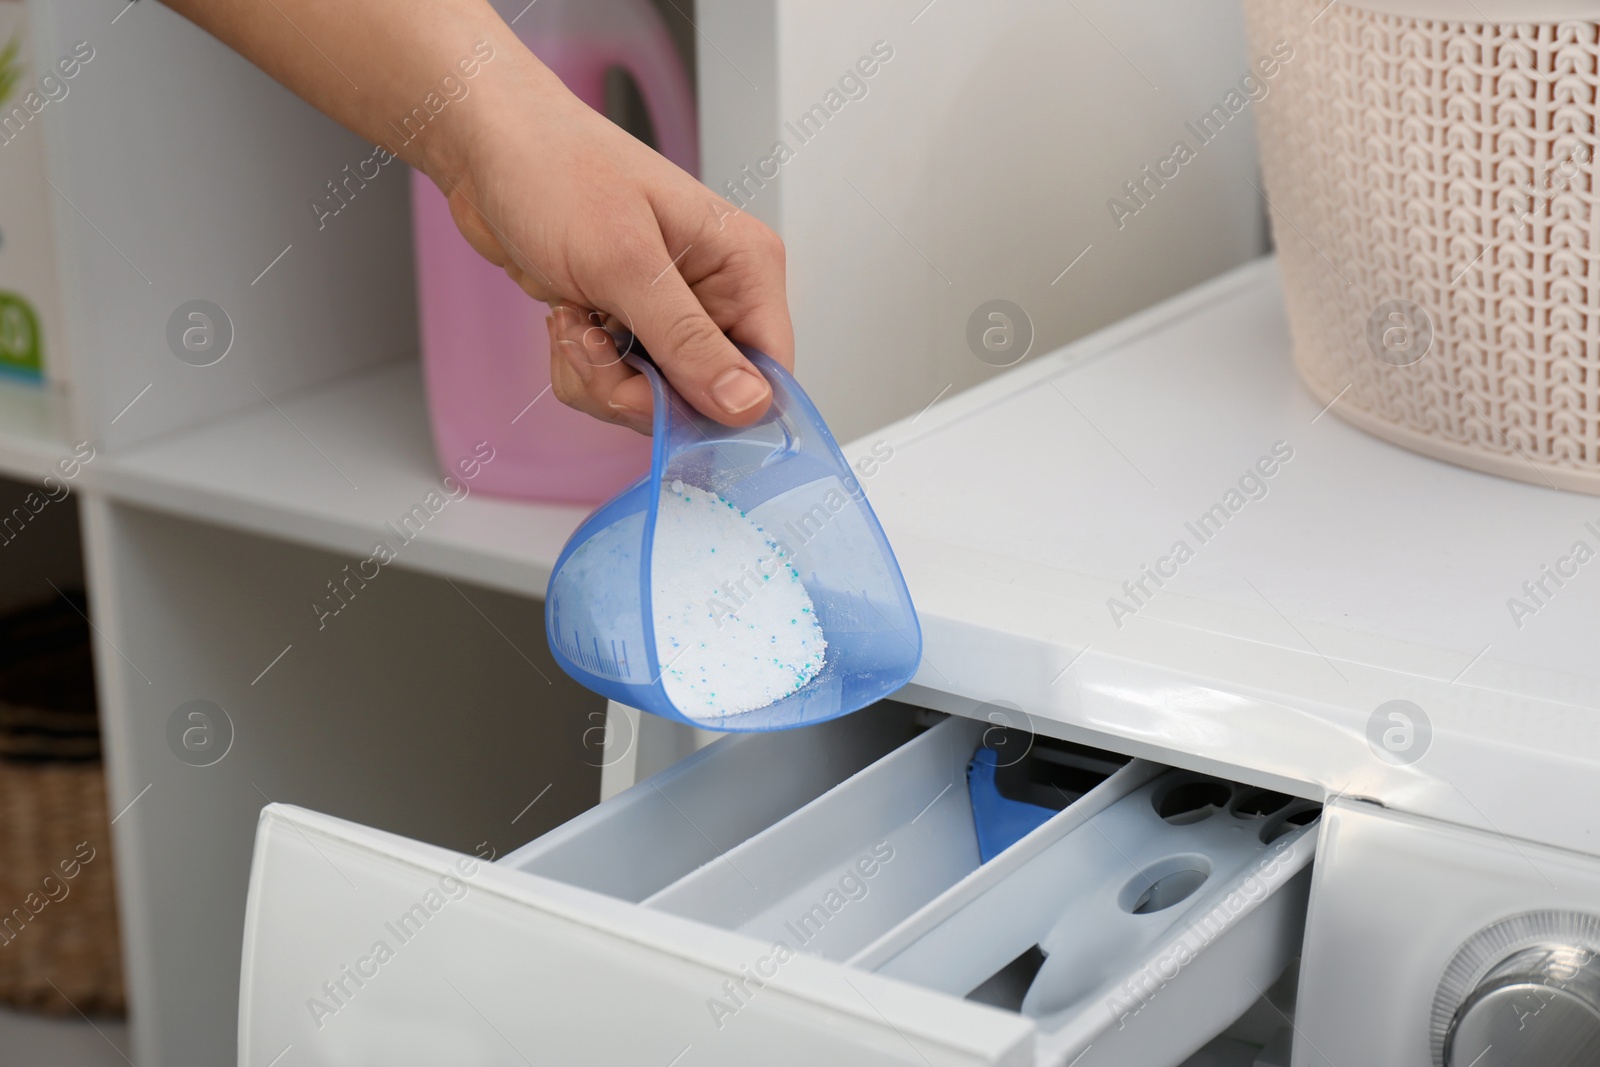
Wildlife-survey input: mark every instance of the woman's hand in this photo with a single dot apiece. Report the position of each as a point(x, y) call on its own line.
point(579, 213)
point(612, 235)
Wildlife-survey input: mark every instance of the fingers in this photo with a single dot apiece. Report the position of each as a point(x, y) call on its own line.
point(587, 373)
point(724, 279)
point(752, 274)
point(690, 348)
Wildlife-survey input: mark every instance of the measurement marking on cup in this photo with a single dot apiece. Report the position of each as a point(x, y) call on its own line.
point(614, 666)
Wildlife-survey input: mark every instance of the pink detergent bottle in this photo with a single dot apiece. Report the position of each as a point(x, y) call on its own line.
point(485, 353)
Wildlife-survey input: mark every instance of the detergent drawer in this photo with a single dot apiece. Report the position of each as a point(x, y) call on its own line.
point(890, 888)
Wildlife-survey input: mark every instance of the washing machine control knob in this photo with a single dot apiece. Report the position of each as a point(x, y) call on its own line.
point(1538, 1005)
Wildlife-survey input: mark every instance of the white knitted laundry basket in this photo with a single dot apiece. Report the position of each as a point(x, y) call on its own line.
point(1432, 187)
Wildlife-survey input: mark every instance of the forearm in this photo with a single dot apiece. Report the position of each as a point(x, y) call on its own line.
point(576, 211)
point(371, 64)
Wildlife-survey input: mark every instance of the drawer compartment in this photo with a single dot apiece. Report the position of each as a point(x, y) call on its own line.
point(842, 871)
point(1181, 903)
point(1068, 907)
point(693, 812)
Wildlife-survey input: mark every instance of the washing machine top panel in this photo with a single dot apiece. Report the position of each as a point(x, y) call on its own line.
point(1159, 533)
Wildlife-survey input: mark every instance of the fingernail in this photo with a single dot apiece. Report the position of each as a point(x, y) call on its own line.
point(738, 390)
point(629, 413)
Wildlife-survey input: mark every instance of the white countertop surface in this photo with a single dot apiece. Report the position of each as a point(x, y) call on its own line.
point(1364, 574)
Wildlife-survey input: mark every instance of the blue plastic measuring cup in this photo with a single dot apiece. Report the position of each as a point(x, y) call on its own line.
point(785, 473)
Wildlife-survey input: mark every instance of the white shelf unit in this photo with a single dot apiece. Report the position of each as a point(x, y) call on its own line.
point(426, 704)
point(223, 500)
point(211, 523)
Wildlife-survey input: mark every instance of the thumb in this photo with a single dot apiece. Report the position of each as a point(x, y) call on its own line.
point(692, 351)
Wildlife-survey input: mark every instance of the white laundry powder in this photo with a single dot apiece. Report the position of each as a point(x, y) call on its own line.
point(735, 629)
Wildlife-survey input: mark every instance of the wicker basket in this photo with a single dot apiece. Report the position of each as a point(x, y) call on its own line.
point(1431, 179)
point(59, 945)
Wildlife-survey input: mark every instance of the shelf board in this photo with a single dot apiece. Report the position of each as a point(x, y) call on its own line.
point(329, 468)
point(33, 429)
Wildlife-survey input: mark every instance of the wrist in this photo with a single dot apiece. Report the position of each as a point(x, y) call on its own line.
point(507, 90)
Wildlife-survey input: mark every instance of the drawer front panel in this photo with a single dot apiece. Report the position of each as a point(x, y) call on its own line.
point(362, 948)
point(704, 916)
